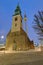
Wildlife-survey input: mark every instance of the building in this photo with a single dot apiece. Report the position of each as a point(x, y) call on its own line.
point(17, 38)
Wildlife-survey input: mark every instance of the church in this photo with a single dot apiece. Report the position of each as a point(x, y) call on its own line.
point(17, 38)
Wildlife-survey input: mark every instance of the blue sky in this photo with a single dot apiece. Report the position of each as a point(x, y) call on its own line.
point(7, 8)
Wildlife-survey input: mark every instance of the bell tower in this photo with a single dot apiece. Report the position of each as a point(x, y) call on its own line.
point(17, 20)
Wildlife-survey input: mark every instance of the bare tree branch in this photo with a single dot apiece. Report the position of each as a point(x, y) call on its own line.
point(38, 25)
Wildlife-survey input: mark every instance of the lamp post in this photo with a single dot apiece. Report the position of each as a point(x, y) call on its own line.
point(25, 20)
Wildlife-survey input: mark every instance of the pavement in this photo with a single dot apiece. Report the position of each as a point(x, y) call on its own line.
point(22, 58)
point(31, 63)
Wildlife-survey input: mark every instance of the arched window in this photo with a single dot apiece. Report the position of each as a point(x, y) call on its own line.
point(16, 18)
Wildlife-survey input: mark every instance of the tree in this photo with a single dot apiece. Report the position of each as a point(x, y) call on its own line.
point(38, 24)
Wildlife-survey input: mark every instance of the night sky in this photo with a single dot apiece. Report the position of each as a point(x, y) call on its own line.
point(7, 8)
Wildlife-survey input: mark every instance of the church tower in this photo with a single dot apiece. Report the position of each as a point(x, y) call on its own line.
point(17, 38)
point(17, 20)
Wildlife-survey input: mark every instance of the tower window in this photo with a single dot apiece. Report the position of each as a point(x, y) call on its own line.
point(15, 24)
point(15, 18)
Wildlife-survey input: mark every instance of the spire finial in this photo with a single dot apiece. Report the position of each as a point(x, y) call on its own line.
point(18, 2)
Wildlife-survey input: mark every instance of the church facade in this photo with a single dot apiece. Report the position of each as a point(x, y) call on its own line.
point(17, 38)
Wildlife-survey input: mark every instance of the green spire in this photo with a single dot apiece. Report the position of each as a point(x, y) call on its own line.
point(17, 10)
